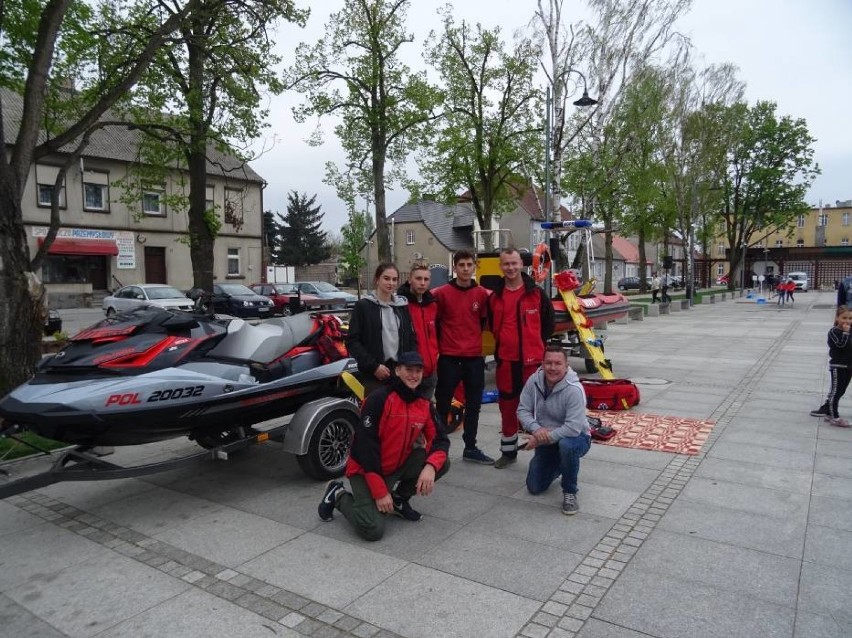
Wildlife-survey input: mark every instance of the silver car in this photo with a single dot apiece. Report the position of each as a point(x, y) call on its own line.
point(139, 295)
point(325, 290)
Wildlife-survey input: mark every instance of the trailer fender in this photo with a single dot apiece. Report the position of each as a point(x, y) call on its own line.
point(306, 419)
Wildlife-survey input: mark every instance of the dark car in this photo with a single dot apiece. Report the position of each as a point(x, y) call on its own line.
point(629, 283)
point(239, 301)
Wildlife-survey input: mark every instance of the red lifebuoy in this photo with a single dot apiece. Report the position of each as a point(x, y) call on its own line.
point(541, 262)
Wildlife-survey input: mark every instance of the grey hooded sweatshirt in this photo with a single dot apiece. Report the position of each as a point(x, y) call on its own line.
point(563, 408)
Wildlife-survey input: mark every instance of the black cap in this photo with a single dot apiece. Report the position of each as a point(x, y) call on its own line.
point(410, 359)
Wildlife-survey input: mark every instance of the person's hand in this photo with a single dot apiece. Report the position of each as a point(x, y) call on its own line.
point(385, 504)
point(528, 443)
point(382, 372)
point(541, 436)
point(426, 480)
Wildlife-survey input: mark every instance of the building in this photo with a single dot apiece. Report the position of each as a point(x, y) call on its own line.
point(817, 242)
point(117, 232)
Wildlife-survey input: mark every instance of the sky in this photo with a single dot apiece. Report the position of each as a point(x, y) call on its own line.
point(795, 53)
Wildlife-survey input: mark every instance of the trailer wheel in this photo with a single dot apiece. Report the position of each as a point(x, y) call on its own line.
point(329, 446)
point(209, 440)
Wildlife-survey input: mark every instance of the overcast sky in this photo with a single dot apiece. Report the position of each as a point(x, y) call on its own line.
point(797, 53)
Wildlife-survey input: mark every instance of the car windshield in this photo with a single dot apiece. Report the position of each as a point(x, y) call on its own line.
point(235, 289)
point(325, 287)
point(166, 292)
point(285, 290)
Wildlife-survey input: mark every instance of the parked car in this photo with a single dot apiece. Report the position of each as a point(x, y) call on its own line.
point(327, 291)
point(139, 295)
point(800, 279)
point(722, 280)
point(628, 283)
point(239, 301)
point(282, 295)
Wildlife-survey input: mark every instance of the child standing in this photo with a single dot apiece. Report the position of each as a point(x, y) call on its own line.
point(839, 362)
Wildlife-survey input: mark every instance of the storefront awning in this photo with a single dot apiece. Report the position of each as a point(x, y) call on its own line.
point(67, 246)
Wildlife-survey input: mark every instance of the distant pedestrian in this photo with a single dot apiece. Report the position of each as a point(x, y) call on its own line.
point(844, 292)
point(839, 367)
point(655, 289)
point(665, 288)
point(781, 291)
point(790, 288)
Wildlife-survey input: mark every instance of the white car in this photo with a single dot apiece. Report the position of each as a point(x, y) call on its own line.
point(139, 295)
point(800, 279)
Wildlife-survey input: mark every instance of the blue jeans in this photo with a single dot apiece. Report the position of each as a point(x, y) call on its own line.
point(562, 457)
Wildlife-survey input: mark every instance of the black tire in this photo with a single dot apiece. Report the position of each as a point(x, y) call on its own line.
point(209, 440)
point(110, 312)
point(285, 310)
point(329, 446)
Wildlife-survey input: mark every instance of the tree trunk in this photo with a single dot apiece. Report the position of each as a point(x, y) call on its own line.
point(382, 237)
point(21, 293)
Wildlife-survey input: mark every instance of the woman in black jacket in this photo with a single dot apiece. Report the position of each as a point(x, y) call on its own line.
point(380, 329)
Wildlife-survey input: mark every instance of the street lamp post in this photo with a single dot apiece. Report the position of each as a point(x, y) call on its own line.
point(742, 268)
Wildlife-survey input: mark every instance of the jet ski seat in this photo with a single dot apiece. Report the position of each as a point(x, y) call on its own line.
point(266, 341)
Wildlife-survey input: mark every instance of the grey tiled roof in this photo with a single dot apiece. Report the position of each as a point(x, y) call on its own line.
point(450, 224)
point(119, 143)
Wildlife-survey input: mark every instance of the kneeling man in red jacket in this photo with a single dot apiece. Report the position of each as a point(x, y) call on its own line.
point(399, 450)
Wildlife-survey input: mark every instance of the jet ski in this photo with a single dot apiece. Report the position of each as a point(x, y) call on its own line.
point(153, 374)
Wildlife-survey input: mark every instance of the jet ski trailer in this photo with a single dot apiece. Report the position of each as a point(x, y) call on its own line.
point(318, 433)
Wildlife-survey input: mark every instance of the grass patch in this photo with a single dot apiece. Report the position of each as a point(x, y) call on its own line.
point(13, 449)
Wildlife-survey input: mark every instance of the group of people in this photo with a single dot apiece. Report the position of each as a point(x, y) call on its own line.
point(413, 344)
point(784, 289)
point(659, 285)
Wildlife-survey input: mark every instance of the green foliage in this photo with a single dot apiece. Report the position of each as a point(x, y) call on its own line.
point(356, 235)
point(299, 241)
point(491, 129)
point(354, 73)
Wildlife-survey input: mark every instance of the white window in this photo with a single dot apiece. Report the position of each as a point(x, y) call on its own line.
point(574, 241)
point(779, 243)
point(409, 237)
point(152, 202)
point(96, 191)
point(720, 249)
point(844, 241)
point(800, 243)
point(233, 261)
point(823, 220)
point(45, 181)
point(759, 244)
point(720, 270)
point(801, 221)
point(845, 219)
point(209, 198)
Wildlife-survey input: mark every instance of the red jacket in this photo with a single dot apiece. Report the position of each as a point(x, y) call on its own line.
point(461, 317)
point(534, 317)
point(394, 421)
point(424, 318)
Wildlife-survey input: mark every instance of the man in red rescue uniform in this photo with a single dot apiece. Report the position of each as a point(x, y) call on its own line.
point(423, 308)
point(521, 319)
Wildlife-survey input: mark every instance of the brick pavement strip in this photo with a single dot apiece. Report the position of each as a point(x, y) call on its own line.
point(267, 600)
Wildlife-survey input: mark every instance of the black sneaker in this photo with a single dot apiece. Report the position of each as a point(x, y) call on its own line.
point(475, 455)
point(821, 410)
point(403, 509)
point(329, 499)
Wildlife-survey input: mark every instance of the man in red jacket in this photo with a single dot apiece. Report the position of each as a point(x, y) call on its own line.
point(398, 442)
point(462, 311)
point(423, 308)
point(521, 318)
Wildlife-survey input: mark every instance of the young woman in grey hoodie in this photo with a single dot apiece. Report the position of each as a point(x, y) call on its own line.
point(380, 329)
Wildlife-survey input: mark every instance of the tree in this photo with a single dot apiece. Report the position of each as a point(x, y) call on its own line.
point(203, 95)
point(355, 73)
point(48, 43)
point(300, 241)
point(490, 133)
point(769, 170)
point(356, 235)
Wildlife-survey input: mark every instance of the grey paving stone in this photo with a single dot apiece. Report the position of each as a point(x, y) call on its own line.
point(18, 622)
point(816, 626)
point(14, 519)
point(89, 495)
point(752, 453)
point(503, 562)
point(824, 590)
point(770, 578)
point(757, 475)
point(828, 546)
point(431, 600)
point(831, 512)
point(832, 486)
point(781, 536)
point(220, 536)
point(746, 498)
point(595, 628)
point(830, 446)
point(609, 474)
point(834, 465)
point(322, 569)
point(686, 608)
point(96, 594)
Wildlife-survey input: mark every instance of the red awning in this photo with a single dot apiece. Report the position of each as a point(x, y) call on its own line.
point(67, 246)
